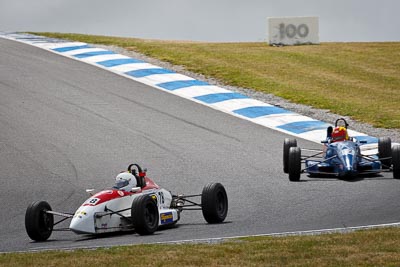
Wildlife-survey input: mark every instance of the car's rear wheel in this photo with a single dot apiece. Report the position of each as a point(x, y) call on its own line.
point(385, 151)
point(287, 144)
point(214, 203)
point(396, 161)
point(145, 216)
point(294, 167)
point(38, 223)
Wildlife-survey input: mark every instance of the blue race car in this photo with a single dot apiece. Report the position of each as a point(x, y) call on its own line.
point(340, 157)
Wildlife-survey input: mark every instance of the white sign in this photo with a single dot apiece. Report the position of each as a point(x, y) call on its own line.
point(293, 30)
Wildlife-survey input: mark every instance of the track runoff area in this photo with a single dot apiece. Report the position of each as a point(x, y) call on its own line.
point(215, 97)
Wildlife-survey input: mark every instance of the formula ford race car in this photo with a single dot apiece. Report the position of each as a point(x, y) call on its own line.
point(341, 156)
point(135, 203)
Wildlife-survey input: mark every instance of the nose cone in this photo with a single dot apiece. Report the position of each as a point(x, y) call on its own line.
point(350, 166)
point(83, 223)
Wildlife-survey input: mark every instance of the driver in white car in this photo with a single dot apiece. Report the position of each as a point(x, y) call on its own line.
point(125, 181)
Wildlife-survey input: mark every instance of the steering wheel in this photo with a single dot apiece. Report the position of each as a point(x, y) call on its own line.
point(341, 120)
point(133, 170)
point(140, 176)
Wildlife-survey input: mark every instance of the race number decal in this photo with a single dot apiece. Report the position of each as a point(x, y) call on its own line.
point(158, 198)
point(161, 197)
point(92, 201)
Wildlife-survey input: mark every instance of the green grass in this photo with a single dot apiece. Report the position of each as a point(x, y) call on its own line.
point(377, 247)
point(360, 80)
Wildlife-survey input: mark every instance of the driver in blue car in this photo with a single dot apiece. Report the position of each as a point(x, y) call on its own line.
point(337, 134)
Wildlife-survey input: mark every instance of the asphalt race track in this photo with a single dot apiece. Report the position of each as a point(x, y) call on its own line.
point(66, 126)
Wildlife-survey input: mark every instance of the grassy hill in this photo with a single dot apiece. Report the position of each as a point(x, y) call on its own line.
point(361, 80)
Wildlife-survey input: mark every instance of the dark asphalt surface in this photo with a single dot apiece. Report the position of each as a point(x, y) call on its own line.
point(66, 126)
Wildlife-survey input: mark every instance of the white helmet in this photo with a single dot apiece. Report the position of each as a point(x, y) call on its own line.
point(125, 181)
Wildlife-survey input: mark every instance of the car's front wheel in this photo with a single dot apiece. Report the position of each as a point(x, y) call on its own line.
point(144, 212)
point(294, 167)
point(38, 223)
point(214, 203)
point(287, 144)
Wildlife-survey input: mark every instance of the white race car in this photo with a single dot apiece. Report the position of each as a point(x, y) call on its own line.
point(136, 203)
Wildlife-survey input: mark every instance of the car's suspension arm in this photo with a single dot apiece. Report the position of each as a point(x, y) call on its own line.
point(185, 199)
point(65, 215)
point(322, 161)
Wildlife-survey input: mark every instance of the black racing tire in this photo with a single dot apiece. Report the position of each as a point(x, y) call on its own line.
point(287, 144)
point(294, 167)
point(38, 223)
point(214, 203)
point(145, 217)
point(385, 151)
point(396, 161)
